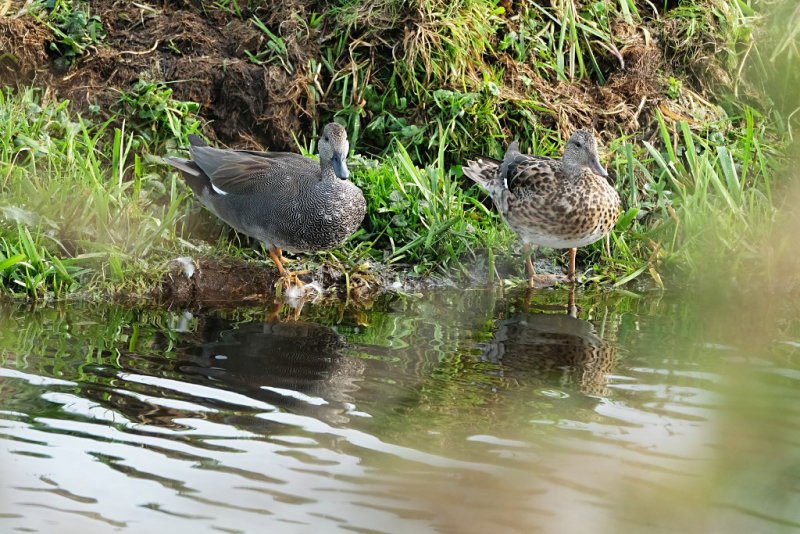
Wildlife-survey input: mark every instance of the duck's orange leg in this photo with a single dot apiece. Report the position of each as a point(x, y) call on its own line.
point(277, 256)
point(289, 277)
point(539, 280)
point(571, 269)
point(529, 265)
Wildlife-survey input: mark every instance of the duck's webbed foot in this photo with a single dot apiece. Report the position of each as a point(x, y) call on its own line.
point(546, 280)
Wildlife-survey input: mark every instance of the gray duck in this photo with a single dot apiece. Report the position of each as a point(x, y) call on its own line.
point(549, 202)
point(285, 200)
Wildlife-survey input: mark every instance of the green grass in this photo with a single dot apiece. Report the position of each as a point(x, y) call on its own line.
point(423, 220)
point(120, 214)
point(74, 29)
point(87, 186)
point(27, 267)
point(693, 199)
point(443, 73)
point(393, 71)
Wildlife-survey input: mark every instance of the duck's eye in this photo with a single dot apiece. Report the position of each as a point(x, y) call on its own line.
point(578, 144)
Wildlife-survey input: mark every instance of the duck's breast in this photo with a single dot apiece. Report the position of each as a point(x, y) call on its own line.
point(325, 217)
point(569, 215)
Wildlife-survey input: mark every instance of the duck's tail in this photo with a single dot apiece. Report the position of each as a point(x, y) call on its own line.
point(197, 180)
point(482, 171)
point(486, 172)
point(194, 176)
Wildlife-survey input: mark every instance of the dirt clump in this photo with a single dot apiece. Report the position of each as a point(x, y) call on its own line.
point(208, 282)
point(211, 282)
point(201, 59)
point(23, 44)
point(263, 88)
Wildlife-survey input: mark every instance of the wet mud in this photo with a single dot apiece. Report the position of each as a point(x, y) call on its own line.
point(216, 283)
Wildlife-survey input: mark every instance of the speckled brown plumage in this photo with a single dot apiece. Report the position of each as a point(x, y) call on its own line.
point(285, 200)
point(558, 203)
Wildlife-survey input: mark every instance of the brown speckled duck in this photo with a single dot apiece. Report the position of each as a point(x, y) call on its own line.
point(285, 200)
point(548, 202)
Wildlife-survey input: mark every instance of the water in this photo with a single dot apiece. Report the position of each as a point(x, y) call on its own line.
point(455, 411)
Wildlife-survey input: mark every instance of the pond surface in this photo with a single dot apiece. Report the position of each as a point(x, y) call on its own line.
point(454, 411)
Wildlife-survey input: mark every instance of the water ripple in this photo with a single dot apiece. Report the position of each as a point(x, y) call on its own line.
point(464, 411)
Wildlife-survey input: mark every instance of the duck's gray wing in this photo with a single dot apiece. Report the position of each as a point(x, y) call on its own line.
point(245, 172)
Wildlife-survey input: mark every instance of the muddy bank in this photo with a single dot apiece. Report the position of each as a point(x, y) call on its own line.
point(210, 282)
point(201, 55)
point(201, 282)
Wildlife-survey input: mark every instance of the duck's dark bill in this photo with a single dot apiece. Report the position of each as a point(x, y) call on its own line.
point(340, 167)
point(597, 168)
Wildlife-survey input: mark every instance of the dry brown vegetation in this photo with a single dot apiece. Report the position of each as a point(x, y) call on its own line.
point(200, 51)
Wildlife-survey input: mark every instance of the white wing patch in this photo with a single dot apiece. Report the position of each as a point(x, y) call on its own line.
point(218, 190)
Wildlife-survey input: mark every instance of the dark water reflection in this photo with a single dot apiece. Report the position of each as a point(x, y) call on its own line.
point(458, 411)
point(557, 348)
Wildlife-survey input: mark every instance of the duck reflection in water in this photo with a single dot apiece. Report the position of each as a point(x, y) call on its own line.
point(557, 348)
point(293, 365)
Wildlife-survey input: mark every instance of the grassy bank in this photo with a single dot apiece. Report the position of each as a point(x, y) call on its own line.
point(698, 162)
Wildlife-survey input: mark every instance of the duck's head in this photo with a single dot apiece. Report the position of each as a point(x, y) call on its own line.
point(581, 154)
point(333, 149)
